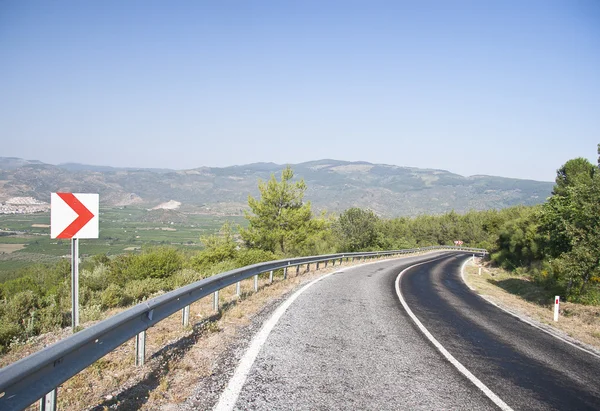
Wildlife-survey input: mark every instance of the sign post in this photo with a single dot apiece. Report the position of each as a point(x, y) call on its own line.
point(74, 216)
point(74, 283)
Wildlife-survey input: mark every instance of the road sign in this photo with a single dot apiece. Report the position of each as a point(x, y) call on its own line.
point(74, 215)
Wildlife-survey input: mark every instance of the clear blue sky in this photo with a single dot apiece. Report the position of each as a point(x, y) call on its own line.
point(508, 88)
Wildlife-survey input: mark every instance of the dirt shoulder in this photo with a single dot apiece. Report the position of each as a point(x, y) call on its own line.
point(578, 324)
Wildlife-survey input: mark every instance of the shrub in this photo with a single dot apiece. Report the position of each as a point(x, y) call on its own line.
point(96, 279)
point(8, 333)
point(253, 256)
point(185, 277)
point(51, 316)
point(138, 290)
point(91, 312)
point(13, 287)
point(157, 263)
point(114, 296)
point(20, 306)
point(218, 268)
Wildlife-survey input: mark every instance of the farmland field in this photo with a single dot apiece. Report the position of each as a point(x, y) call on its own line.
point(25, 238)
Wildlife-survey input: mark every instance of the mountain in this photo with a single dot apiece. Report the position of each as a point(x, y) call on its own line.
point(333, 185)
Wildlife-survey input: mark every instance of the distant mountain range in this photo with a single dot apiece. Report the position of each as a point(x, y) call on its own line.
point(332, 185)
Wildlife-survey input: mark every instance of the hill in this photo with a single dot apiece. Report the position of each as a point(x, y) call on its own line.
point(333, 185)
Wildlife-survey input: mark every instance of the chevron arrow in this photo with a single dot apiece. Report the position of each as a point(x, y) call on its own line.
point(83, 215)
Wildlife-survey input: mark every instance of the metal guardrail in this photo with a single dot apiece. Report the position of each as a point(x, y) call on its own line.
point(37, 376)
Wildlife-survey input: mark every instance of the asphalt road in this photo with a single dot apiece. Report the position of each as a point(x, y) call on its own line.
point(347, 343)
point(525, 367)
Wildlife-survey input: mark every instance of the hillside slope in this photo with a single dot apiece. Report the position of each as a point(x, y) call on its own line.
point(332, 185)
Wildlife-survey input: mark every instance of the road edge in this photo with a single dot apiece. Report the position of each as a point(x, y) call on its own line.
point(461, 368)
point(548, 329)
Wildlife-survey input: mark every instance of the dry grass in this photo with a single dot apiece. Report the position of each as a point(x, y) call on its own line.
point(519, 295)
point(176, 356)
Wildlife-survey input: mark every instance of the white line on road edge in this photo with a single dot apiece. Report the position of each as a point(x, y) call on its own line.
point(525, 320)
point(445, 352)
point(462, 273)
point(230, 395)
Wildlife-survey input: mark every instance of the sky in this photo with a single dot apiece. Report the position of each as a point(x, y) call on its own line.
point(506, 88)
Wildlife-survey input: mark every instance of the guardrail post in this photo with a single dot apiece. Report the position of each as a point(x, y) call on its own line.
point(285, 272)
point(216, 301)
point(326, 261)
point(256, 283)
point(271, 277)
point(140, 349)
point(48, 401)
point(238, 289)
point(317, 266)
point(185, 316)
point(297, 269)
point(308, 267)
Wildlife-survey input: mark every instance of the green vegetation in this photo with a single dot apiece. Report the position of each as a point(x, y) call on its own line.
point(557, 244)
point(124, 229)
point(280, 222)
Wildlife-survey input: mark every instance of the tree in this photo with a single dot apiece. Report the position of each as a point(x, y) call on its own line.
point(279, 220)
point(571, 223)
point(218, 247)
point(573, 172)
point(519, 242)
point(357, 229)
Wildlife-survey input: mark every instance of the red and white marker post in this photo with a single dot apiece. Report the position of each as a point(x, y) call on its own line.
point(74, 216)
point(556, 307)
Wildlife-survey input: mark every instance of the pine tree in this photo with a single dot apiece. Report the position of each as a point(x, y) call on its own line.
point(279, 220)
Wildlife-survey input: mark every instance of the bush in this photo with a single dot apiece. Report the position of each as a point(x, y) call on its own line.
point(185, 277)
point(51, 316)
point(253, 256)
point(157, 263)
point(20, 306)
point(96, 279)
point(218, 268)
point(591, 296)
point(114, 296)
point(13, 287)
point(138, 290)
point(90, 313)
point(8, 333)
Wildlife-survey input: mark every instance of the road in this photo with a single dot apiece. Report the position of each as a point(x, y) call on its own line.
point(348, 343)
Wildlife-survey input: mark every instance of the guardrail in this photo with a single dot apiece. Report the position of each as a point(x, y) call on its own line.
point(37, 376)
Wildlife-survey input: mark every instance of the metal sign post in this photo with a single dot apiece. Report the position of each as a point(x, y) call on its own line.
point(74, 283)
point(74, 216)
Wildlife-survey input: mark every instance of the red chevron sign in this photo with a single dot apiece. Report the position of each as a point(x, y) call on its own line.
point(74, 215)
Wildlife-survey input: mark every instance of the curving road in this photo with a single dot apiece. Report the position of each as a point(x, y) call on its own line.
point(348, 343)
point(527, 368)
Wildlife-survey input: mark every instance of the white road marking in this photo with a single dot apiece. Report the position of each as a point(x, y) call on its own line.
point(229, 396)
point(445, 353)
point(525, 320)
point(462, 274)
point(231, 393)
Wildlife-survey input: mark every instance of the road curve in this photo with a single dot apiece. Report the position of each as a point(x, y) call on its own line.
point(524, 366)
point(347, 343)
